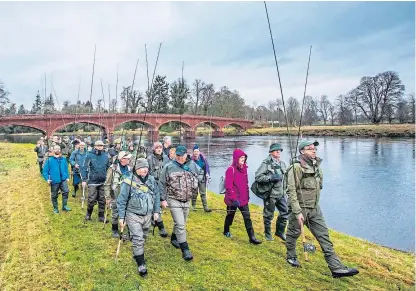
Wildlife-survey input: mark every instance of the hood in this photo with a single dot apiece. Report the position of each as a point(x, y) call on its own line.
point(236, 155)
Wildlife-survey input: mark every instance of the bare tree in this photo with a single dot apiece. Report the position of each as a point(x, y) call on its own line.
point(113, 105)
point(374, 94)
point(309, 111)
point(402, 112)
point(344, 112)
point(4, 100)
point(389, 112)
point(323, 108)
point(293, 111)
point(195, 97)
point(332, 113)
point(207, 97)
point(412, 106)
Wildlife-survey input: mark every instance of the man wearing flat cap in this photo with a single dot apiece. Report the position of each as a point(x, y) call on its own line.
point(178, 184)
point(305, 180)
point(270, 175)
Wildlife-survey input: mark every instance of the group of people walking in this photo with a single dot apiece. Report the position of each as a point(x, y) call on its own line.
point(136, 188)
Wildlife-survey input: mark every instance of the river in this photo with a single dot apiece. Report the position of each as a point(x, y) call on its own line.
point(369, 183)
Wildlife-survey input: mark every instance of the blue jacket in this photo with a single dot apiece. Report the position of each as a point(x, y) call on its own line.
point(94, 170)
point(55, 169)
point(77, 158)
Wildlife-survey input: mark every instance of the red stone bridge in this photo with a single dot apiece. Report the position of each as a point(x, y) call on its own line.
point(50, 123)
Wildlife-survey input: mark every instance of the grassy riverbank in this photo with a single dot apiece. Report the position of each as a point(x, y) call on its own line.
point(43, 251)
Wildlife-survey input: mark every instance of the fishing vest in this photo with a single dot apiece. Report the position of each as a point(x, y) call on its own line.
point(181, 184)
point(142, 196)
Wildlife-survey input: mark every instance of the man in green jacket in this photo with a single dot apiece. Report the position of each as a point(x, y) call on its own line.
point(270, 174)
point(305, 180)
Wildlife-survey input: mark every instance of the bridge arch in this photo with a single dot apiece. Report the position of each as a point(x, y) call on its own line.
point(235, 125)
point(213, 125)
point(141, 121)
point(187, 125)
point(23, 124)
point(61, 126)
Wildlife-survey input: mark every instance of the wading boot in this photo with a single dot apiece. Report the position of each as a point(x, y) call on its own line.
point(114, 231)
point(344, 272)
point(55, 205)
point(101, 217)
point(267, 233)
point(252, 238)
point(186, 253)
point(280, 230)
point(56, 211)
point(89, 212)
point(141, 265)
point(64, 205)
point(162, 231)
point(293, 262)
point(174, 241)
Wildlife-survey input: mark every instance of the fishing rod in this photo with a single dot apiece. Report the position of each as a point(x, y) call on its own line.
point(131, 183)
point(76, 105)
point(287, 128)
point(180, 113)
point(116, 105)
point(92, 84)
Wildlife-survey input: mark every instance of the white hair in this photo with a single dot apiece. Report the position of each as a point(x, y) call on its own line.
point(166, 138)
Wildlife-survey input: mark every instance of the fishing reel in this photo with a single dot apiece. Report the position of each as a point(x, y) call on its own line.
point(308, 247)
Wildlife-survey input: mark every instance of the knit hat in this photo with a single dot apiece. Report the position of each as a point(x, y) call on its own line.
point(181, 150)
point(305, 143)
point(196, 147)
point(275, 147)
point(141, 163)
point(157, 144)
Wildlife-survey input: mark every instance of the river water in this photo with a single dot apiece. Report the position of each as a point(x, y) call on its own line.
point(369, 183)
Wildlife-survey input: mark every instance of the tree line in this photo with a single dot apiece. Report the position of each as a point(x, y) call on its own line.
point(376, 99)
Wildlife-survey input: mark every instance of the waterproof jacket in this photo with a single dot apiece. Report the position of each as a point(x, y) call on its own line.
point(78, 157)
point(236, 181)
point(94, 170)
point(41, 152)
point(114, 179)
point(65, 148)
point(112, 154)
point(144, 196)
point(55, 169)
point(309, 179)
point(156, 165)
point(180, 182)
point(264, 174)
point(205, 168)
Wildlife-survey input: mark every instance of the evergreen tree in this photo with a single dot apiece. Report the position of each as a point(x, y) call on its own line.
point(179, 92)
point(21, 110)
point(37, 105)
point(160, 91)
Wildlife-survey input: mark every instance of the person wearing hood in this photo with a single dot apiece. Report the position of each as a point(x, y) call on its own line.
point(178, 184)
point(115, 175)
point(77, 160)
point(41, 150)
point(157, 160)
point(94, 172)
point(237, 194)
point(305, 181)
point(271, 176)
point(55, 172)
point(202, 162)
point(138, 204)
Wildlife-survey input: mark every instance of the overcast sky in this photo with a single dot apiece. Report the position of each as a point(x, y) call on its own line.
point(226, 43)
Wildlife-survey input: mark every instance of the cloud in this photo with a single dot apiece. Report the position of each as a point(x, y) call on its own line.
point(226, 43)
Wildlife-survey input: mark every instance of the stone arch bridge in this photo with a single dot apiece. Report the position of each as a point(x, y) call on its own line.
point(49, 123)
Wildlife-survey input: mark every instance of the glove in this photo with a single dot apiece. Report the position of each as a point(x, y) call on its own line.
point(209, 180)
point(275, 178)
point(155, 216)
point(235, 203)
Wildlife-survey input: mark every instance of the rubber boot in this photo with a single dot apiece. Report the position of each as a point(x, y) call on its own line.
point(55, 205)
point(252, 238)
point(141, 265)
point(280, 230)
point(114, 230)
point(101, 216)
point(64, 204)
point(268, 233)
point(74, 193)
point(193, 205)
point(89, 213)
point(174, 241)
point(186, 253)
point(205, 204)
point(162, 231)
point(344, 272)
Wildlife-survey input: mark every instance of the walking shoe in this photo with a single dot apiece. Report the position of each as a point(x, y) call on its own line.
point(66, 208)
point(142, 270)
point(56, 211)
point(207, 210)
point(163, 233)
point(114, 231)
point(344, 272)
point(293, 262)
point(228, 234)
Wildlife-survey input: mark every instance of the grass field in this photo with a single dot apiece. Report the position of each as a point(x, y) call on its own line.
point(43, 251)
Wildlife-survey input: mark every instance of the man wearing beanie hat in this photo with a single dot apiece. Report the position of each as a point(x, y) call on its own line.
point(305, 180)
point(138, 204)
point(178, 184)
point(157, 160)
point(202, 162)
point(113, 151)
point(115, 175)
point(270, 177)
point(94, 172)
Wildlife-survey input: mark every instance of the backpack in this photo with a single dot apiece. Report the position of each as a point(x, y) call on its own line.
point(261, 194)
point(222, 189)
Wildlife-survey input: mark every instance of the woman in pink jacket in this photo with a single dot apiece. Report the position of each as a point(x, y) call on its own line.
point(237, 194)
